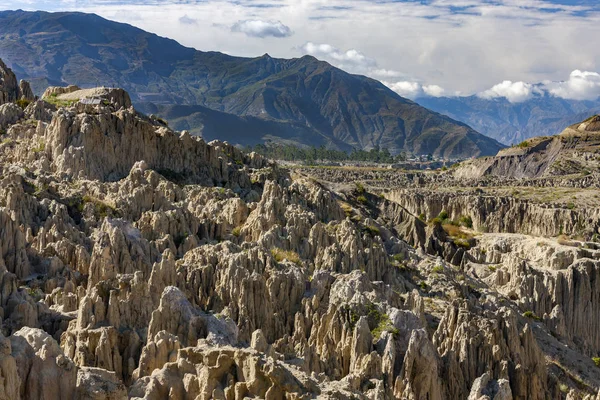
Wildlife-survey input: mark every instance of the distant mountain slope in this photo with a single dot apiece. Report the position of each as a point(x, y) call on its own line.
point(576, 151)
point(344, 111)
point(512, 123)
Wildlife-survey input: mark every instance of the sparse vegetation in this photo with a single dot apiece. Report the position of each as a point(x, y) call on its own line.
point(596, 361)
point(237, 231)
point(360, 188)
point(39, 148)
point(53, 99)
point(362, 199)
point(466, 221)
point(438, 269)
point(23, 103)
point(381, 321)
point(101, 208)
point(281, 255)
point(531, 315)
point(372, 230)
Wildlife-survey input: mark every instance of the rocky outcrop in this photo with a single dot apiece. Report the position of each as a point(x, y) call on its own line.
point(571, 152)
point(501, 214)
point(9, 88)
point(25, 91)
point(167, 267)
point(10, 113)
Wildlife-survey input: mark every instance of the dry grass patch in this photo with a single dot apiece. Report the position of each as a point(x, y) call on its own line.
point(281, 255)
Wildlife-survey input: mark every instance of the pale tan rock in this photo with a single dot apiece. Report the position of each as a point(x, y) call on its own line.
point(45, 373)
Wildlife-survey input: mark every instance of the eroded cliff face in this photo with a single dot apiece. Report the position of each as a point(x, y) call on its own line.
point(574, 151)
point(140, 262)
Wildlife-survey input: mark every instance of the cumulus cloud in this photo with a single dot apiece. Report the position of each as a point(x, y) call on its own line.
point(352, 59)
point(581, 85)
point(414, 90)
point(262, 29)
point(515, 92)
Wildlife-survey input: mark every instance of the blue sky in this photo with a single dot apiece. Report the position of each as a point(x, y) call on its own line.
point(496, 48)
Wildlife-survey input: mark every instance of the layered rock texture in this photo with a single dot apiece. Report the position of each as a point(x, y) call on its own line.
point(575, 151)
point(139, 262)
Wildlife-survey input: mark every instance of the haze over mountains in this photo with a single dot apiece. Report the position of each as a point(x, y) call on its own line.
point(302, 101)
point(512, 123)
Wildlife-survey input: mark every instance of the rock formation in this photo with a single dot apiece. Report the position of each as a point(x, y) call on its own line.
point(138, 262)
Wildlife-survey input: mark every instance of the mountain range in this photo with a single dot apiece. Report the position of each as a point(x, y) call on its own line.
point(249, 100)
point(512, 123)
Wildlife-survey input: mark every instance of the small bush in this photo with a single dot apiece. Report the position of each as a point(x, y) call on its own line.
point(347, 208)
point(531, 315)
point(436, 221)
point(360, 188)
point(362, 199)
point(571, 206)
point(438, 269)
point(523, 145)
point(422, 217)
point(281, 255)
point(443, 215)
point(23, 103)
point(381, 321)
point(466, 221)
point(236, 231)
point(596, 361)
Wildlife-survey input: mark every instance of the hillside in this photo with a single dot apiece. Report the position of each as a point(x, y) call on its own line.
point(511, 123)
point(344, 111)
point(576, 151)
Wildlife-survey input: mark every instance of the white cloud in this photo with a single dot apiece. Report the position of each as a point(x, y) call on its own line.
point(460, 45)
point(262, 29)
point(187, 20)
point(581, 85)
point(515, 92)
point(355, 61)
point(414, 90)
point(411, 90)
point(352, 60)
point(434, 90)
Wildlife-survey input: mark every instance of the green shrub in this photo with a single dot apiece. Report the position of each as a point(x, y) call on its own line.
point(443, 215)
point(381, 321)
point(422, 217)
point(438, 269)
point(23, 103)
point(360, 188)
point(466, 221)
point(236, 231)
point(436, 221)
point(531, 315)
point(596, 361)
point(362, 199)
